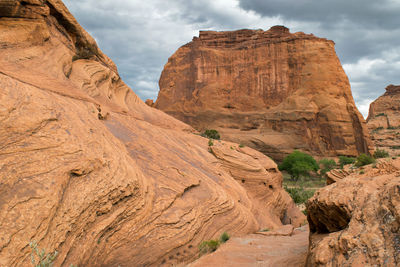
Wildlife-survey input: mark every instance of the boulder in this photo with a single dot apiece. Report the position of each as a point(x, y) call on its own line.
point(355, 221)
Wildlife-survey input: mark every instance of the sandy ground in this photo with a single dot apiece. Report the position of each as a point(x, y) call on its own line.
point(260, 250)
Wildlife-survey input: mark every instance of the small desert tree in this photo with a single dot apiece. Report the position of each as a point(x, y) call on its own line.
point(326, 165)
point(343, 160)
point(298, 163)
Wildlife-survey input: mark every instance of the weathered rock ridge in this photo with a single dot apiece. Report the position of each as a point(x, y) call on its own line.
point(356, 220)
point(384, 121)
point(272, 90)
point(89, 170)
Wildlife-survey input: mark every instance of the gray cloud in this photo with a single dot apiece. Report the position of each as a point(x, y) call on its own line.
point(139, 36)
point(365, 32)
point(369, 13)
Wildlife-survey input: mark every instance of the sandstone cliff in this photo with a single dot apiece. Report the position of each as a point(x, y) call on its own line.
point(89, 170)
point(272, 90)
point(355, 221)
point(384, 121)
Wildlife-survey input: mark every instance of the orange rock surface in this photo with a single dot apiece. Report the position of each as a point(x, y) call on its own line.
point(276, 249)
point(272, 90)
point(89, 170)
point(356, 220)
point(384, 121)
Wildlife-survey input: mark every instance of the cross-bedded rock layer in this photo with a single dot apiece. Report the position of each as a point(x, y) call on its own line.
point(272, 90)
point(89, 170)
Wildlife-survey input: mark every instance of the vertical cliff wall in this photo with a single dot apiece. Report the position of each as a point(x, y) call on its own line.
point(272, 90)
point(384, 120)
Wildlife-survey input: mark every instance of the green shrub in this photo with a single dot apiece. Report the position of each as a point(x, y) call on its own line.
point(395, 147)
point(224, 237)
point(241, 145)
point(212, 134)
point(343, 160)
point(326, 165)
point(364, 159)
point(380, 153)
point(299, 195)
point(209, 246)
point(40, 258)
point(379, 115)
point(210, 142)
point(212, 245)
point(298, 163)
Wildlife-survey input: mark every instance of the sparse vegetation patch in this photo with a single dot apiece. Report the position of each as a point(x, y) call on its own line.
point(343, 160)
point(40, 258)
point(210, 142)
point(300, 195)
point(326, 165)
point(212, 134)
point(363, 160)
point(381, 153)
point(212, 245)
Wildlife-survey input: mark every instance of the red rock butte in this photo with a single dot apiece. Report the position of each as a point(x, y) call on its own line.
point(272, 90)
point(384, 120)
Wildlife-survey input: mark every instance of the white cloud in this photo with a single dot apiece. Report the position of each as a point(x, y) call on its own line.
point(363, 69)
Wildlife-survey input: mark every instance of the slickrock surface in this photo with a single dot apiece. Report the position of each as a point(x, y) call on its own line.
point(384, 121)
point(259, 250)
point(356, 221)
point(89, 170)
point(272, 90)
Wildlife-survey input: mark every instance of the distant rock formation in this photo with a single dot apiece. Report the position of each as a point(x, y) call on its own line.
point(272, 90)
point(356, 220)
point(149, 102)
point(384, 120)
point(89, 170)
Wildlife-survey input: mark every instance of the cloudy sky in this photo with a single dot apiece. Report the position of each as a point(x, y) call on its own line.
point(140, 35)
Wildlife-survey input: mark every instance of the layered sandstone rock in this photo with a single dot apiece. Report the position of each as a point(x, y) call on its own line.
point(272, 90)
point(356, 221)
point(384, 121)
point(89, 170)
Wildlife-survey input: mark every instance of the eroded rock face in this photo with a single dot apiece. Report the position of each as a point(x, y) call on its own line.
point(272, 90)
point(89, 170)
point(355, 221)
point(384, 120)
